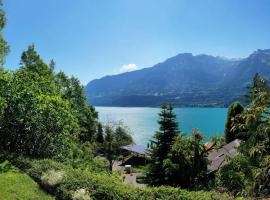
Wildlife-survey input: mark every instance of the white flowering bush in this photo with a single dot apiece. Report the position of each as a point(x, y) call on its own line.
point(81, 194)
point(52, 177)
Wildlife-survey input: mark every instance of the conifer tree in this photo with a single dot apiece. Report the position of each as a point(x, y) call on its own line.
point(100, 137)
point(162, 143)
point(109, 147)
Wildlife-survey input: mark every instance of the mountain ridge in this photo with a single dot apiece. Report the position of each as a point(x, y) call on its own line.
point(184, 80)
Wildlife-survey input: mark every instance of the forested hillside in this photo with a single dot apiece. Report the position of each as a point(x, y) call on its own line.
point(184, 80)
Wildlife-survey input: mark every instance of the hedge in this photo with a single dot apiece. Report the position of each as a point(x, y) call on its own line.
point(67, 183)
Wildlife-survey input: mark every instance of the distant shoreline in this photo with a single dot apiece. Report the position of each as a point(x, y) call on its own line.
point(159, 107)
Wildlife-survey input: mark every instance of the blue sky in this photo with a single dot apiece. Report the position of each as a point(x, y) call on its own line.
point(93, 38)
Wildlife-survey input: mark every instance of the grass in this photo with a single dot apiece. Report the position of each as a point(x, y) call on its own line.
point(16, 185)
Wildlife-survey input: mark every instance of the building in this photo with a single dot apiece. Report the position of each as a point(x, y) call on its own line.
point(134, 148)
point(134, 154)
point(217, 157)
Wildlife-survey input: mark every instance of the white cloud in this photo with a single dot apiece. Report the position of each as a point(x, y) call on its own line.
point(128, 68)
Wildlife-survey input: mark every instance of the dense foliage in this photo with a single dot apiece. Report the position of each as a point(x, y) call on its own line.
point(186, 165)
point(68, 183)
point(237, 175)
point(115, 138)
point(100, 134)
point(48, 130)
point(175, 159)
point(249, 172)
point(161, 144)
point(41, 116)
point(233, 115)
point(4, 48)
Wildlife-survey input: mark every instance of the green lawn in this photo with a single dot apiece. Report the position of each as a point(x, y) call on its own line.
point(19, 186)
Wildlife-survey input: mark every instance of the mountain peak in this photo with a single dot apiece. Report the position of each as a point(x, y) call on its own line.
point(184, 80)
point(259, 57)
point(261, 52)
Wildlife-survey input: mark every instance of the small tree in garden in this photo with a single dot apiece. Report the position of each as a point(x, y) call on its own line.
point(109, 146)
point(162, 143)
point(233, 115)
point(186, 165)
point(114, 139)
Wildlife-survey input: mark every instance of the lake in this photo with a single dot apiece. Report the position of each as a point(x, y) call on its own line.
point(142, 121)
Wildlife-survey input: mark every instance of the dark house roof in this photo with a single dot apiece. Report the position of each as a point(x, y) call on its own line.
point(135, 149)
point(217, 157)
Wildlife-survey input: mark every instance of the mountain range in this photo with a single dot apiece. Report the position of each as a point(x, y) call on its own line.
point(185, 80)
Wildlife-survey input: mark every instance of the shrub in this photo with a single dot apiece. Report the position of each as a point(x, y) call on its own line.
point(20, 162)
point(85, 184)
point(82, 156)
point(5, 167)
point(52, 177)
point(81, 194)
point(39, 167)
point(236, 176)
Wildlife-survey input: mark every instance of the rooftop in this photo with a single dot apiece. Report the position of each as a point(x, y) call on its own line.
point(135, 149)
point(217, 156)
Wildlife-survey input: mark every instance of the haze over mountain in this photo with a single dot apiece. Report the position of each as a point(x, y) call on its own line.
point(184, 80)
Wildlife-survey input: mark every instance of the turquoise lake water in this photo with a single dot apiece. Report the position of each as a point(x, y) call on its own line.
point(143, 121)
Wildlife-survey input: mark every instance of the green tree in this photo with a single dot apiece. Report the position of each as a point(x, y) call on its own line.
point(122, 136)
point(256, 116)
point(100, 135)
point(53, 127)
point(4, 49)
point(2, 108)
point(31, 61)
point(88, 123)
point(109, 147)
point(72, 90)
point(236, 176)
point(186, 165)
point(255, 146)
point(258, 87)
point(4, 75)
point(5, 78)
point(162, 143)
point(36, 120)
point(114, 139)
point(233, 115)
